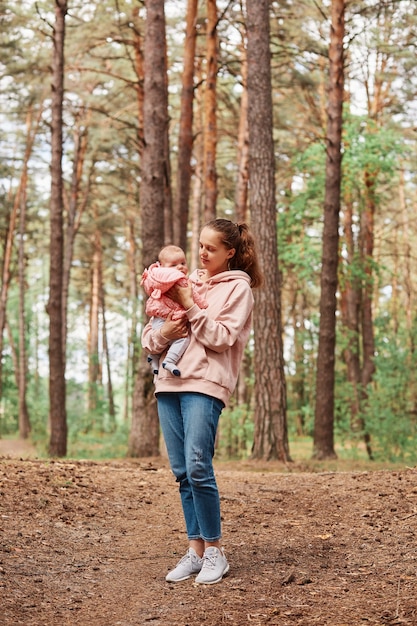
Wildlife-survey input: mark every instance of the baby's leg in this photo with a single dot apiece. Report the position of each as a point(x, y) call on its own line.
point(153, 359)
point(175, 352)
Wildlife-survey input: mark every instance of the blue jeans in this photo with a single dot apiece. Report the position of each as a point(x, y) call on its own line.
point(189, 424)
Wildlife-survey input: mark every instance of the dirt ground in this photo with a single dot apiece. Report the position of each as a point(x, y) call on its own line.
point(89, 544)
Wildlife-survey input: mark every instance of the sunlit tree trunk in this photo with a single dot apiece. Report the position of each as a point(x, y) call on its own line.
point(57, 385)
point(22, 370)
point(210, 115)
point(168, 207)
point(196, 197)
point(270, 436)
point(185, 138)
point(241, 198)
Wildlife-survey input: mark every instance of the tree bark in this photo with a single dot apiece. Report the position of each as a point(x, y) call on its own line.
point(57, 385)
point(324, 409)
point(106, 352)
point(271, 436)
point(198, 154)
point(210, 114)
point(144, 434)
point(74, 210)
point(241, 197)
point(185, 139)
point(19, 208)
point(93, 334)
point(22, 370)
point(367, 228)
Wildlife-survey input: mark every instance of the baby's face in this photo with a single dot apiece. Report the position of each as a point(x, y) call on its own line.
point(176, 260)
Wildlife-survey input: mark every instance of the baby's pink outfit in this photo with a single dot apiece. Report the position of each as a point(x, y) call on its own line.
point(156, 281)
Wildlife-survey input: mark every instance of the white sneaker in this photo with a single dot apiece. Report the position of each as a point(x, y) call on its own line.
point(215, 566)
point(190, 564)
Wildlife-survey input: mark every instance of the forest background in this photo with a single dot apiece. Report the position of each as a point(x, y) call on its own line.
point(105, 70)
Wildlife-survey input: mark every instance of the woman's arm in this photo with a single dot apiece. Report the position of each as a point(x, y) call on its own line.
point(220, 328)
point(155, 341)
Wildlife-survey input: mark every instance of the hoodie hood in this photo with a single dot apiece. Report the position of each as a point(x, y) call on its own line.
point(224, 277)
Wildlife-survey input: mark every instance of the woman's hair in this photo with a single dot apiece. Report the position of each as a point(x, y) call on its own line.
point(239, 237)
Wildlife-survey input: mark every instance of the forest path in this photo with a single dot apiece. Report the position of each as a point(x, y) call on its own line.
point(86, 543)
point(17, 449)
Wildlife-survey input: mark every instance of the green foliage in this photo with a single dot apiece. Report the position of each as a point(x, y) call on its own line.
point(38, 406)
point(390, 414)
point(299, 217)
point(369, 147)
point(388, 409)
point(99, 445)
point(235, 433)
point(9, 401)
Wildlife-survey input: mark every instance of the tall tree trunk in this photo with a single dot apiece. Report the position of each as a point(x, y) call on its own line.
point(144, 434)
point(299, 377)
point(57, 386)
point(324, 409)
point(185, 138)
point(74, 209)
point(93, 335)
point(139, 70)
point(196, 199)
point(168, 209)
point(110, 394)
point(210, 117)
point(6, 275)
point(133, 350)
point(241, 197)
point(367, 228)
point(350, 307)
point(18, 203)
point(408, 287)
point(24, 421)
point(271, 436)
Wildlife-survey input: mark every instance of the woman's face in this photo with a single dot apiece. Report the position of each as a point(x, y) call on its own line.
point(214, 255)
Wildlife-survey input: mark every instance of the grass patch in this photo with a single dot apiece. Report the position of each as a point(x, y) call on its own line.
point(351, 457)
point(99, 446)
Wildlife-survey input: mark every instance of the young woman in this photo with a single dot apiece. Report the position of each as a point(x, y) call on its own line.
point(189, 407)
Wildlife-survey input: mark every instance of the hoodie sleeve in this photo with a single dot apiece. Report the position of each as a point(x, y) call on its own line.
point(152, 340)
point(221, 331)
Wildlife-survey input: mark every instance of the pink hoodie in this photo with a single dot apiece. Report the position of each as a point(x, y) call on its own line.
point(219, 334)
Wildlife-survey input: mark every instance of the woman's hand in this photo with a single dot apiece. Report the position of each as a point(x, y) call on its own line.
point(174, 329)
point(182, 295)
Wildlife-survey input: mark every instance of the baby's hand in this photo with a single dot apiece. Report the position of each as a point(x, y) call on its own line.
point(182, 295)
